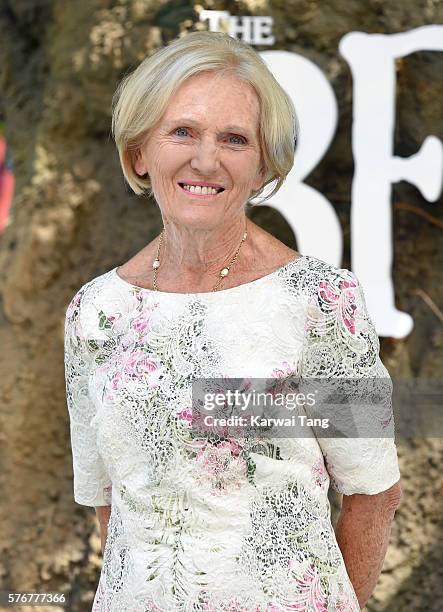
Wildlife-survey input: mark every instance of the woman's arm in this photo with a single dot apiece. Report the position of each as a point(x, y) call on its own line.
point(362, 532)
point(103, 514)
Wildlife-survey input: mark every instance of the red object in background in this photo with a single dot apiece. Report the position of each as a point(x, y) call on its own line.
point(6, 186)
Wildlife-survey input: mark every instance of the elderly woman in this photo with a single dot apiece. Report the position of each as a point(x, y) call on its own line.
point(191, 521)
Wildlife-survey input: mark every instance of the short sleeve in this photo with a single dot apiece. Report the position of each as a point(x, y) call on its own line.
point(341, 345)
point(92, 485)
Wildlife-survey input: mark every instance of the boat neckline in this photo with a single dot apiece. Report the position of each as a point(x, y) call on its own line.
point(257, 281)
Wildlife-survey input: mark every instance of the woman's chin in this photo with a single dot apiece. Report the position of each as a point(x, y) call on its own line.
point(200, 217)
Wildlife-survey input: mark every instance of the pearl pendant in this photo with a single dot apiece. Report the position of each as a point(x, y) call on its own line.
point(156, 263)
point(224, 272)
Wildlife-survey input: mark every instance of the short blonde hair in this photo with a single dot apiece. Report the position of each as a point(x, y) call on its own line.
point(143, 96)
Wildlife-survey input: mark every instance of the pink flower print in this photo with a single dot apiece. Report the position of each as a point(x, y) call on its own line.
point(234, 606)
point(283, 371)
point(350, 324)
point(280, 380)
point(311, 592)
point(185, 415)
point(349, 305)
point(116, 381)
point(328, 294)
point(319, 472)
point(232, 445)
point(347, 284)
point(141, 324)
point(221, 467)
point(140, 365)
point(212, 461)
point(344, 300)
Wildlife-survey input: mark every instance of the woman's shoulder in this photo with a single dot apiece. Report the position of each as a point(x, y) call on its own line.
point(93, 287)
point(310, 274)
point(88, 302)
point(303, 271)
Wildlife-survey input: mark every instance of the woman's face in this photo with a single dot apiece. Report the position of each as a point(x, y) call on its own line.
point(208, 133)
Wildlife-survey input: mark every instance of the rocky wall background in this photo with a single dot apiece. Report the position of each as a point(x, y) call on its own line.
point(73, 218)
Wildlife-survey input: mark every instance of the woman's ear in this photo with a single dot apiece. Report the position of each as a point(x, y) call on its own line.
point(139, 163)
point(260, 178)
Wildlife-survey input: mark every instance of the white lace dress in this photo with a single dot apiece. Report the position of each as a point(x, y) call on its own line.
point(198, 525)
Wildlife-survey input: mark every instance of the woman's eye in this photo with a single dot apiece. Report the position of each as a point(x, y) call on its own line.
point(242, 140)
point(182, 129)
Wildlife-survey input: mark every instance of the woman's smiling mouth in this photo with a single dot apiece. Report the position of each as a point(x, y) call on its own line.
point(198, 191)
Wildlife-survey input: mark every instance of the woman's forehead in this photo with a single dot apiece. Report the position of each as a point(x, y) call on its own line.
point(201, 97)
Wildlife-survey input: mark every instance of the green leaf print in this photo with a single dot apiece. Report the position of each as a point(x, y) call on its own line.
point(92, 345)
point(104, 322)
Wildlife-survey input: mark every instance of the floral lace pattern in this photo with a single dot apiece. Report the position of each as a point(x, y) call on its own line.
point(201, 524)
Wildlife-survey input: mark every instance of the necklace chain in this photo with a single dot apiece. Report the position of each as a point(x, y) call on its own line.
point(222, 274)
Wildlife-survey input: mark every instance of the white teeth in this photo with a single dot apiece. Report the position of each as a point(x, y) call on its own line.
point(200, 190)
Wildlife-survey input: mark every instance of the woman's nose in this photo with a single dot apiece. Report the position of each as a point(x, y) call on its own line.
point(206, 158)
